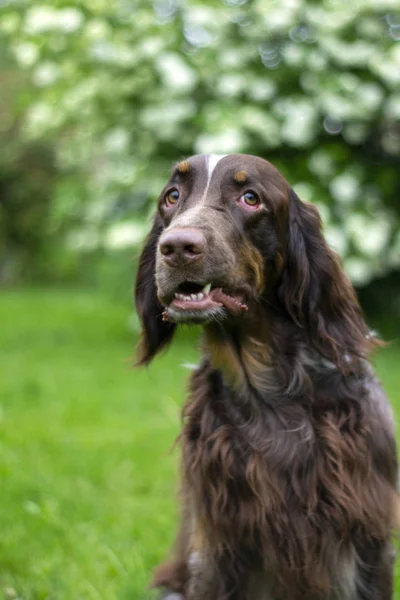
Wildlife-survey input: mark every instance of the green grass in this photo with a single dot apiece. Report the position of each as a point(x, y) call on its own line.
point(87, 496)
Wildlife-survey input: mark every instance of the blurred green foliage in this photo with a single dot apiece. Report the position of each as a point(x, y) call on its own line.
point(121, 89)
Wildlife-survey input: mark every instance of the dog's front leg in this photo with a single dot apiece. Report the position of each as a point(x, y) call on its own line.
point(172, 576)
point(190, 580)
point(214, 578)
point(203, 581)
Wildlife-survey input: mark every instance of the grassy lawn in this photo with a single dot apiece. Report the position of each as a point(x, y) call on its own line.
point(87, 483)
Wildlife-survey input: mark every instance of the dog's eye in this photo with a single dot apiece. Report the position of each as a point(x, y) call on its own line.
point(171, 197)
point(250, 199)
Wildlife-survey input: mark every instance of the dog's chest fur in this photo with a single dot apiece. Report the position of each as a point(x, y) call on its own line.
point(263, 480)
point(243, 448)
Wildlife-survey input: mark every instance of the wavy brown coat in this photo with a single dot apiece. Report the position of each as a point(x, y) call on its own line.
point(289, 468)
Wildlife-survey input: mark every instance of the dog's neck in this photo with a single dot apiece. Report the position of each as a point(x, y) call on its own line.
point(246, 353)
point(243, 360)
point(266, 354)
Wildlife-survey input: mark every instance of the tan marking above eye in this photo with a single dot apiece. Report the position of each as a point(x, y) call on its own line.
point(240, 176)
point(183, 166)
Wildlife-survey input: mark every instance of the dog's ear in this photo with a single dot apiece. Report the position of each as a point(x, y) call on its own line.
point(156, 333)
point(316, 292)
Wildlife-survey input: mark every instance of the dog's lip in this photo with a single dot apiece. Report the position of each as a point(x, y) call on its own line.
point(202, 305)
point(207, 299)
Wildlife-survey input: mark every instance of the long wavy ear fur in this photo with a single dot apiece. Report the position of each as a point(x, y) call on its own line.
point(316, 292)
point(156, 333)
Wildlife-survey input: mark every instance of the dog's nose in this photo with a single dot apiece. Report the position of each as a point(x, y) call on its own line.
point(181, 247)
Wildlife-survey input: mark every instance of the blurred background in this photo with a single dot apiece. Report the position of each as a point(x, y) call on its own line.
point(97, 100)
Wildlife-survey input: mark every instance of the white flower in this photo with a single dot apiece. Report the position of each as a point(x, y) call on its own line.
point(124, 235)
point(150, 47)
point(321, 164)
point(355, 53)
point(230, 57)
point(338, 105)
point(370, 95)
point(316, 60)
point(40, 19)
point(117, 140)
point(45, 74)
point(69, 19)
point(26, 53)
point(197, 35)
point(201, 15)
point(176, 73)
point(336, 238)
point(293, 54)
point(97, 29)
point(224, 142)
point(280, 15)
point(40, 117)
point(231, 84)
point(261, 123)
point(359, 271)
point(261, 89)
point(387, 66)
point(166, 116)
point(81, 94)
point(369, 235)
point(345, 188)
point(324, 212)
point(299, 126)
point(304, 190)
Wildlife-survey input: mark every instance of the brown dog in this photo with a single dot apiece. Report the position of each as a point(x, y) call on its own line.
point(289, 459)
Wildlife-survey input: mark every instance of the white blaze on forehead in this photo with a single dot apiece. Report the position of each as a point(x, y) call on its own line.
point(186, 219)
point(211, 162)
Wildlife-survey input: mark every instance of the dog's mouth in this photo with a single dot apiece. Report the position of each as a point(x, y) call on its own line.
point(201, 302)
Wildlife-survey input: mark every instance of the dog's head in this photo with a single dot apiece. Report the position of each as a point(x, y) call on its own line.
point(228, 233)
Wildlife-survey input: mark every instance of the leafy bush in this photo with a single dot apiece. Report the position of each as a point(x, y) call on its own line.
point(126, 88)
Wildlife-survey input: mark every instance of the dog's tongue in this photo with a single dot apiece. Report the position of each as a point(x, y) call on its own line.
point(232, 304)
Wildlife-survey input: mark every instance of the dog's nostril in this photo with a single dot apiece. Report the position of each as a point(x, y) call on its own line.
point(166, 249)
point(192, 249)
